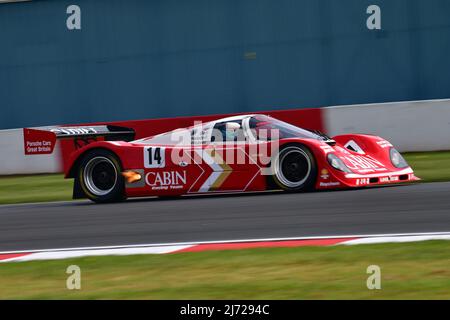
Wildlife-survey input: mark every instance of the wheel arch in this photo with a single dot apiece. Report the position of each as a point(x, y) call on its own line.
point(72, 171)
point(75, 163)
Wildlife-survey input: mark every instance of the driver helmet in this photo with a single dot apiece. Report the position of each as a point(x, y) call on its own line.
point(231, 131)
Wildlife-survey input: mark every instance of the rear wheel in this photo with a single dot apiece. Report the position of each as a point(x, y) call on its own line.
point(294, 168)
point(100, 176)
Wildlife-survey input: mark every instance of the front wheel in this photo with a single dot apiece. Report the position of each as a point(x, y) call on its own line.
point(294, 168)
point(100, 177)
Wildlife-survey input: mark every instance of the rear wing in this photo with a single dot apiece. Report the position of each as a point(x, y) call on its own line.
point(43, 140)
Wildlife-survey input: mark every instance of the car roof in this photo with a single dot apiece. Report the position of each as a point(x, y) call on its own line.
point(233, 118)
point(205, 126)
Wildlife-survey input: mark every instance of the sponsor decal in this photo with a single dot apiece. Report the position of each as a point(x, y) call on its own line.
point(38, 141)
point(364, 164)
point(324, 174)
point(389, 179)
point(74, 131)
point(366, 181)
point(39, 147)
point(330, 184)
point(384, 144)
point(362, 182)
point(166, 180)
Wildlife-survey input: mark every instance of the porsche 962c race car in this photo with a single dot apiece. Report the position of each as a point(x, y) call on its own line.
point(245, 153)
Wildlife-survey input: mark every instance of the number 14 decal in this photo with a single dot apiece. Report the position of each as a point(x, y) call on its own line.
point(154, 157)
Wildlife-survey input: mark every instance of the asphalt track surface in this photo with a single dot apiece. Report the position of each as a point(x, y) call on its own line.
point(399, 209)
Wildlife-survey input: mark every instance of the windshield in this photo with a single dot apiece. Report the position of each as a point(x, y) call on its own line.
point(266, 128)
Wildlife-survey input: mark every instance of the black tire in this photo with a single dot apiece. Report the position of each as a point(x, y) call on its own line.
point(100, 176)
point(294, 168)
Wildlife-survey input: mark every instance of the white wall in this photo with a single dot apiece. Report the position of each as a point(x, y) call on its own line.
point(14, 161)
point(410, 126)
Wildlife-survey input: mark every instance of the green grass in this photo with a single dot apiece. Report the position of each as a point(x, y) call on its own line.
point(430, 166)
point(408, 271)
point(35, 188)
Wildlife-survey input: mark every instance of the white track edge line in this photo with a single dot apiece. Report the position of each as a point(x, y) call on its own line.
point(230, 241)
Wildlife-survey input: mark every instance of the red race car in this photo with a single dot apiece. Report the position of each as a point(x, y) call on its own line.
point(244, 153)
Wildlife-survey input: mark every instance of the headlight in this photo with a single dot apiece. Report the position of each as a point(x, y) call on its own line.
point(337, 163)
point(397, 160)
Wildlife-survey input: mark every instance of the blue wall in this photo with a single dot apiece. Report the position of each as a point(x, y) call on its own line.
point(155, 58)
